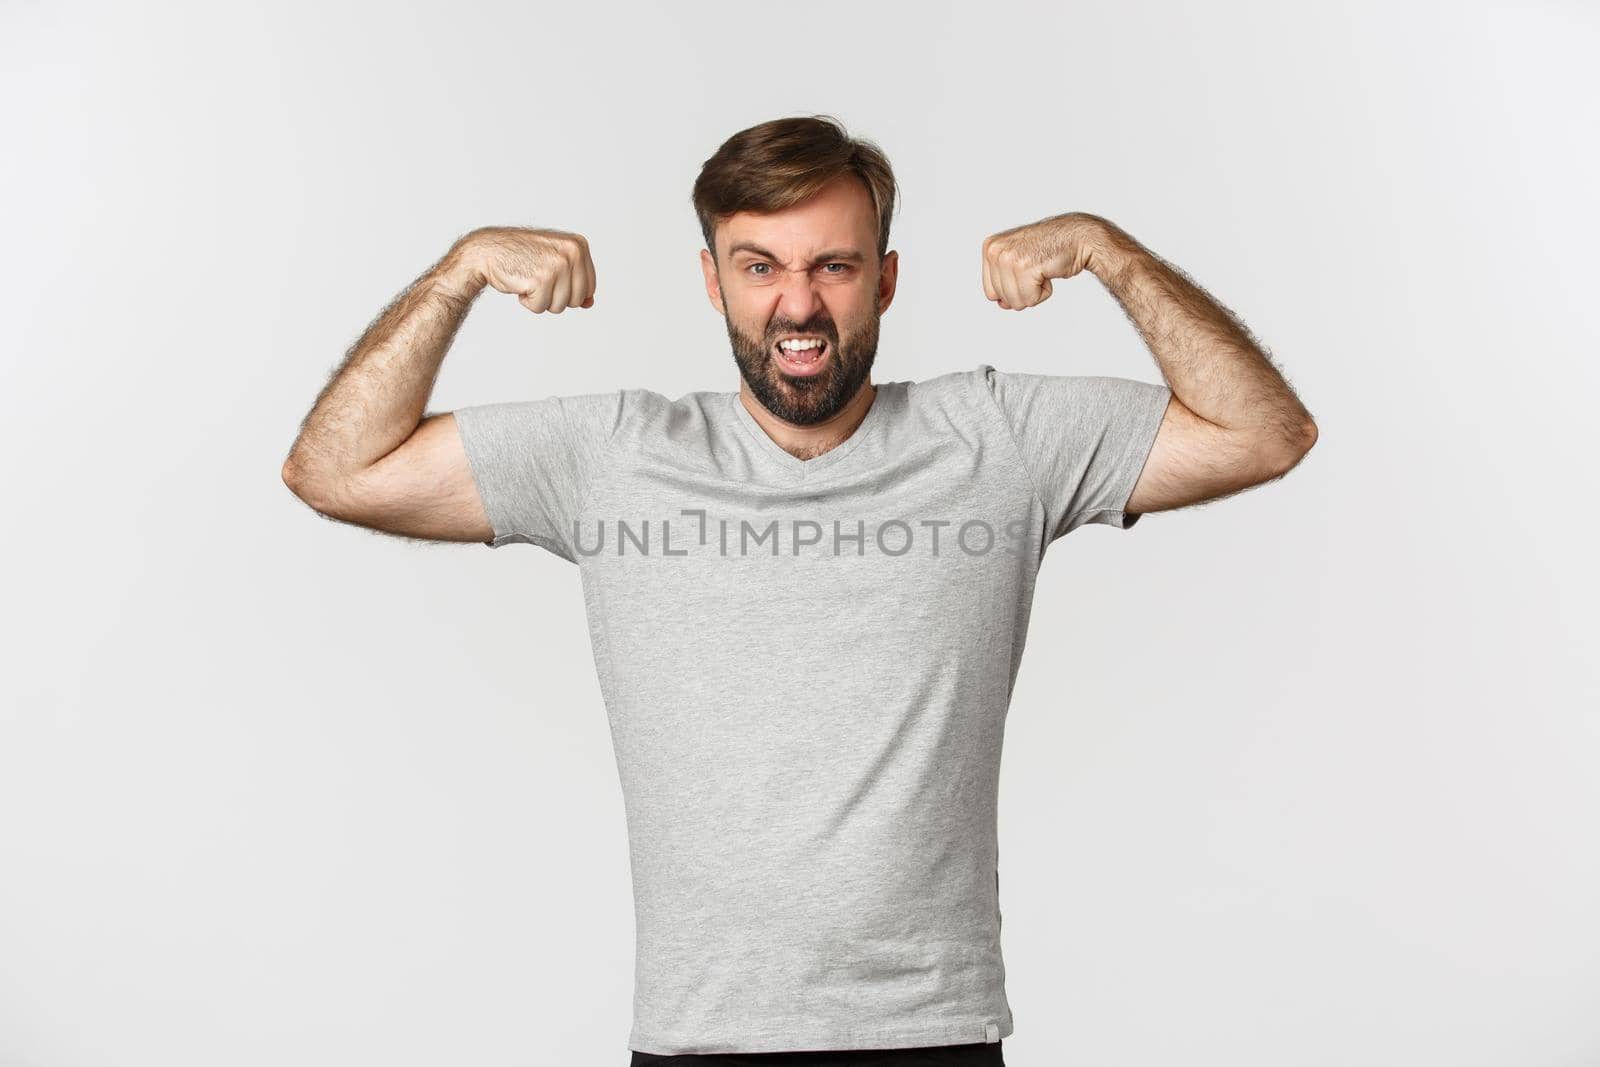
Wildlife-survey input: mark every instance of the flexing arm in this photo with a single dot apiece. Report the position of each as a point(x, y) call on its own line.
point(365, 453)
point(1233, 422)
point(375, 400)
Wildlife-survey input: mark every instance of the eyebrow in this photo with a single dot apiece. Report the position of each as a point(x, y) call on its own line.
point(847, 254)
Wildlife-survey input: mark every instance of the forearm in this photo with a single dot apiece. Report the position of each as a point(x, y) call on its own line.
point(376, 398)
point(1207, 356)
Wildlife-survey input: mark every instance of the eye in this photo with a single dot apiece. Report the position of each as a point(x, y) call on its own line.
point(753, 266)
point(844, 268)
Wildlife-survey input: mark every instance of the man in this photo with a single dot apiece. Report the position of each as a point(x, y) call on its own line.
point(808, 598)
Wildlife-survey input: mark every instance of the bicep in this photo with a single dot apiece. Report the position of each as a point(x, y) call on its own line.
point(424, 488)
point(1193, 460)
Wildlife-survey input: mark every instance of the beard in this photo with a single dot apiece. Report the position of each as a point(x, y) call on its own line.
point(814, 398)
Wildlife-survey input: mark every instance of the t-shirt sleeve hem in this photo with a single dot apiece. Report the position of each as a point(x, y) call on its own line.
point(1135, 457)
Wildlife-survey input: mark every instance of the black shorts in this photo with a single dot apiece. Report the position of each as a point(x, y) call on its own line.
point(982, 1054)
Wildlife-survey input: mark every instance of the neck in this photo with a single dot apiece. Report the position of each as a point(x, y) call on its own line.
point(809, 442)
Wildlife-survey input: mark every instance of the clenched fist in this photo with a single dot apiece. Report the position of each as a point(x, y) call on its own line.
point(548, 270)
point(1019, 263)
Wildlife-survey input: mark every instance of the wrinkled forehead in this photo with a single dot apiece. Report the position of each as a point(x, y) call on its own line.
point(839, 218)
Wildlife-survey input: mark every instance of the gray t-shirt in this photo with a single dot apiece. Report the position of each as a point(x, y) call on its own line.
point(806, 665)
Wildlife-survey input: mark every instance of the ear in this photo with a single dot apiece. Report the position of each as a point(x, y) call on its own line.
point(888, 278)
point(708, 267)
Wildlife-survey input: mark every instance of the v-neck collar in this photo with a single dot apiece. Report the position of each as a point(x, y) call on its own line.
point(794, 464)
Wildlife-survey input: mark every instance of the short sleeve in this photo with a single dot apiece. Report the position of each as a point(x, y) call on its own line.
point(1083, 439)
point(533, 461)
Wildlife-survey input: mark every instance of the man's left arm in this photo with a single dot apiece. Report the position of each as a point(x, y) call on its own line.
point(1233, 421)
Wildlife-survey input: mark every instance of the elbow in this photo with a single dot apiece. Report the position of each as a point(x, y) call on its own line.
point(308, 486)
point(1283, 454)
point(1305, 438)
point(295, 477)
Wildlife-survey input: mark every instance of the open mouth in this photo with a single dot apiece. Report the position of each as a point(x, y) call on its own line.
point(802, 362)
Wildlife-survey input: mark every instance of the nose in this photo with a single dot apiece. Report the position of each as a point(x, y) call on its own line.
point(798, 299)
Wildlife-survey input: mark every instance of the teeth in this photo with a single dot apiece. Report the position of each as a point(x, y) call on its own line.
point(799, 346)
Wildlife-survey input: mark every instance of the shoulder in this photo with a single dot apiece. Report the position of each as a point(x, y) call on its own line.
point(957, 385)
point(965, 393)
point(647, 405)
point(648, 417)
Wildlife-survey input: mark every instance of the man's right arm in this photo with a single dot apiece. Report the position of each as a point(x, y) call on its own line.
point(365, 453)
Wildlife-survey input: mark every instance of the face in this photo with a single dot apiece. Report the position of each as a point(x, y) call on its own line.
point(809, 271)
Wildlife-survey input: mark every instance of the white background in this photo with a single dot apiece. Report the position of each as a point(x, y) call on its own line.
point(1306, 777)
